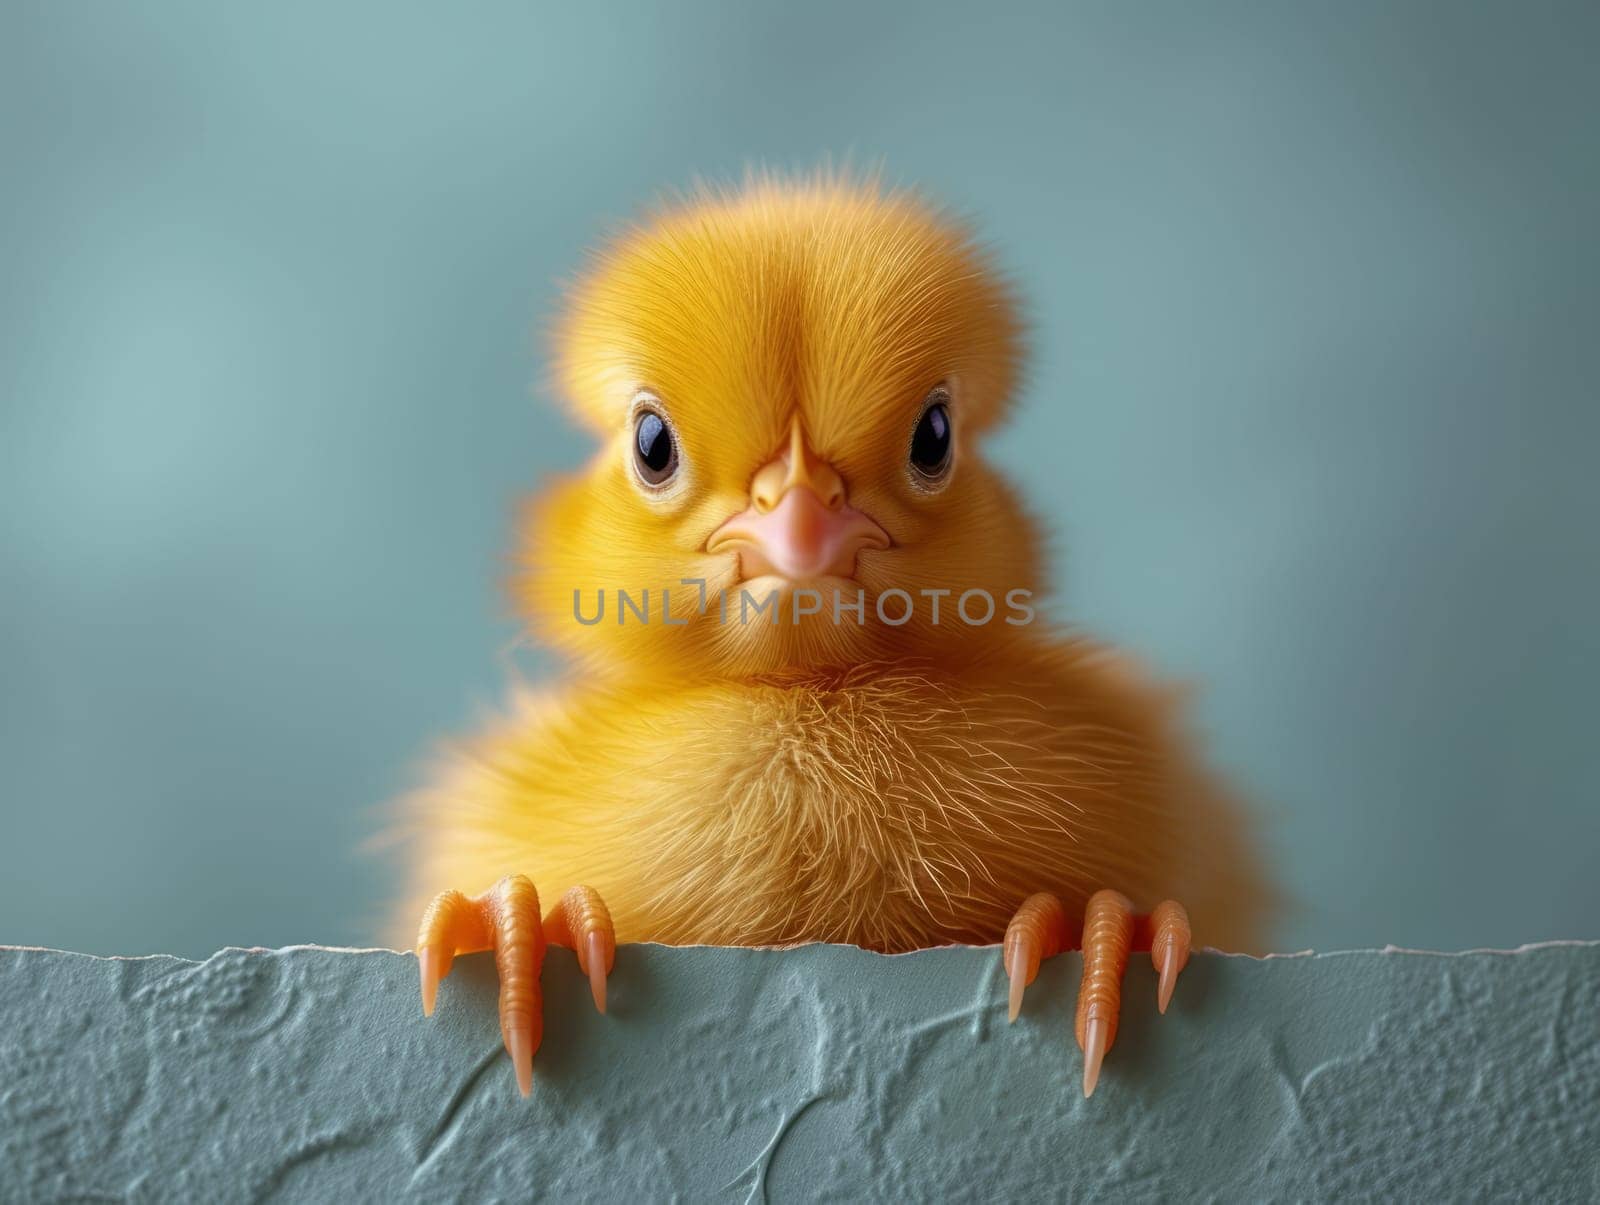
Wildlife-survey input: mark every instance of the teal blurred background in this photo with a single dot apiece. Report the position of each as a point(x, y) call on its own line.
point(1314, 411)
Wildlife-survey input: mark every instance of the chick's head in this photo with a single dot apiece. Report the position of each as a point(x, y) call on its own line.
point(790, 383)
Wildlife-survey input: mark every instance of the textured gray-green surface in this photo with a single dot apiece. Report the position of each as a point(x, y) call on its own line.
point(827, 1072)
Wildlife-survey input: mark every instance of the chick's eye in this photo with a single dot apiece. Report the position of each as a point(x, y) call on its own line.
point(930, 443)
point(655, 453)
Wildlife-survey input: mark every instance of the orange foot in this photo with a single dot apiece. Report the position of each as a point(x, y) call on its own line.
point(505, 919)
point(1111, 931)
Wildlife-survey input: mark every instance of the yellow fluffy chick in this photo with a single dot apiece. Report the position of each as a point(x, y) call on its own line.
point(812, 697)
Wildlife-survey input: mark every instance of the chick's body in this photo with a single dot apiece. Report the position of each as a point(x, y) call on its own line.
point(791, 385)
point(891, 807)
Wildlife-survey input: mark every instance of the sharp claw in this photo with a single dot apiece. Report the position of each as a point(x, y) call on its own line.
point(1094, 1052)
point(1017, 970)
point(1169, 947)
point(595, 949)
point(1169, 978)
point(428, 965)
point(522, 1058)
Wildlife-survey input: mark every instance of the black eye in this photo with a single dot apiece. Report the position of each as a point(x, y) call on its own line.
point(930, 443)
point(655, 454)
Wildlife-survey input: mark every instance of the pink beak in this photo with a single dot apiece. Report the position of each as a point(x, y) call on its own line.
point(797, 524)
